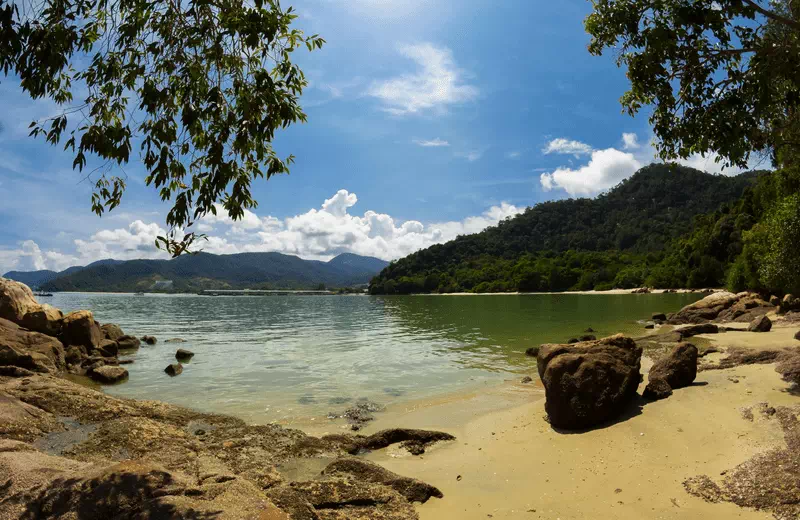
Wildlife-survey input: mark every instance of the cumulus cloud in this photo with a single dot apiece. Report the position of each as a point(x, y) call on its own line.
point(605, 169)
point(436, 84)
point(567, 147)
point(431, 143)
point(316, 234)
point(630, 141)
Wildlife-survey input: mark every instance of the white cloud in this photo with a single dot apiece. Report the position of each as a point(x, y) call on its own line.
point(317, 234)
point(513, 155)
point(430, 143)
point(471, 156)
point(436, 84)
point(630, 141)
point(568, 147)
point(605, 169)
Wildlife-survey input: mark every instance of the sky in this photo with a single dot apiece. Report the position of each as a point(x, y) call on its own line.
point(427, 119)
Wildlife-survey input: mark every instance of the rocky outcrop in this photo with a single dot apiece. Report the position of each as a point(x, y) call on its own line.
point(677, 369)
point(30, 350)
point(108, 348)
point(760, 324)
point(145, 459)
point(723, 307)
point(704, 310)
point(589, 383)
point(80, 328)
point(18, 305)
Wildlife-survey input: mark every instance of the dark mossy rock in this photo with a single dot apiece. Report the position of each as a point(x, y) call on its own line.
point(174, 369)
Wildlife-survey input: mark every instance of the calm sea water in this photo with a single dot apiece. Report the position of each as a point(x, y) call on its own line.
point(278, 357)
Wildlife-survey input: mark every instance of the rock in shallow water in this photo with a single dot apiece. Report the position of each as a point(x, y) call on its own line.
point(184, 355)
point(760, 324)
point(589, 383)
point(174, 369)
point(149, 340)
point(108, 374)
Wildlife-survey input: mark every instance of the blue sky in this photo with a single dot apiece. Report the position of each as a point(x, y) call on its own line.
point(427, 119)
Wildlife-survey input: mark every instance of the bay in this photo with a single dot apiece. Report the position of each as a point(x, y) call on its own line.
point(273, 358)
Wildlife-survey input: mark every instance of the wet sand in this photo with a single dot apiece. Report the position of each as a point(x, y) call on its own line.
point(509, 463)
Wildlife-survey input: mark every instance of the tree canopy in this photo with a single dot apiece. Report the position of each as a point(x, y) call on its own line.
point(721, 75)
point(199, 87)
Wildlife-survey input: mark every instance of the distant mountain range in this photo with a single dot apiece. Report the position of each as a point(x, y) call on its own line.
point(191, 273)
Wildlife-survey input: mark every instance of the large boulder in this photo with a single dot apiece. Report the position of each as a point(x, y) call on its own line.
point(31, 350)
point(111, 331)
point(18, 305)
point(591, 382)
point(107, 348)
point(706, 309)
point(746, 309)
point(46, 319)
point(79, 328)
point(760, 324)
point(16, 300)
point(677, 369)
point(700, 328)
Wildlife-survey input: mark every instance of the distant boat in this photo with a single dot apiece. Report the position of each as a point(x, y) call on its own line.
point(42, 294)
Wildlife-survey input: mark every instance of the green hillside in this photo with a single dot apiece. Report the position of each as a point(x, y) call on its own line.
point(575, 244)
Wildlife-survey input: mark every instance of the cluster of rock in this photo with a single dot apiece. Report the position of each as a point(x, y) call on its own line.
point(593, 382)
point(724, 306)
point(67, 451)
point(40, 338)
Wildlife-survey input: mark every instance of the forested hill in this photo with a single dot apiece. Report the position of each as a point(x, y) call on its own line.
point(570, 244)
point(207, 271)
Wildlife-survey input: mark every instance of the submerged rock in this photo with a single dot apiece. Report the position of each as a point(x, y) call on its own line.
point(149, 340)
point(532, 351)
point(589, 383)
point(659, 316)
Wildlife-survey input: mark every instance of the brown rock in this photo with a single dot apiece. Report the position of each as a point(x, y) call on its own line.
point(797, 335)
point(31, 350)
point(108, 374)
point(589, 383)
point(532, 351)
point(412, 489)
point(702, 328)
point(108, 348)
point(659, 316)
point(46, 319)
point(79, 328)
point(184, 355)
point(706, 309)
point(128, 343)
point(762, 324)
point(16, 300)
point(149, 340)
point(174, 369)
point(677, 369)
point(111, 331)
point(657, 389)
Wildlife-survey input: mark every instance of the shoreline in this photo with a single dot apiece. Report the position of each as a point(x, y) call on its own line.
point(508, 462)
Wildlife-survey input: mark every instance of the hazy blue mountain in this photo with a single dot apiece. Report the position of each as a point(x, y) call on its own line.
point(207, 271)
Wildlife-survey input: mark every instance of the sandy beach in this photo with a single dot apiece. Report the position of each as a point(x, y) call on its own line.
point(509, 463)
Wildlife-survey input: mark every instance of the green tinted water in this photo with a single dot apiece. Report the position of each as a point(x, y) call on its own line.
point(279, 357)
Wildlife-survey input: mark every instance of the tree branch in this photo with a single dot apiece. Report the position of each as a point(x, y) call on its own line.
point(773, 15)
